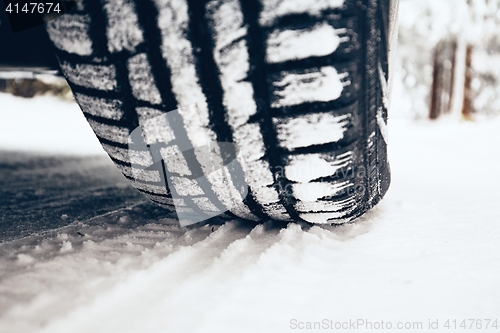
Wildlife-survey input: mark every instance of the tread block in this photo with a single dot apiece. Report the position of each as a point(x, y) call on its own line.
point(232, 59)
point(320, 40)
point(275, 9)
point(185, 210)
point(186, 187)
point(323, 218)
point(111, 133)
point(165, 200)
point(311, 129)
point(100, 77)
point(227, 193)
point(69, 32)
point(141, 79)
point(226, 22)
point(155, 126)
point(123, 30)
point(150, 188)
point(179, 202)
point(140, 174)
point(313, 85)
point(175, 161)
point(177, 50)
point(257, 170)
point(276, 211)
point(205, 204)
point(329, 206)
point(310, 192)
point(142, 158)
point(307, 167)
point(100, 107)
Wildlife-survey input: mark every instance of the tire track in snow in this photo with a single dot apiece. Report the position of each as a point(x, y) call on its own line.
point(167, 293)
point(231, 248)
point(147, 288)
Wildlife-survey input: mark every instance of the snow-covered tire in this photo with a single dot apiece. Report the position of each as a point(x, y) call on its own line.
point(299, 86)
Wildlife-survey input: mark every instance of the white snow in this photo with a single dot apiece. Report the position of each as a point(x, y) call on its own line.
point(141, 79)
point(295, 88)
point(313, 191)
point(320, 40)
point(304, 168)
point(123, 31)
point(295, 132)
point(429, 250)
point(69, 32)
point(46, 125)
point(274, 9)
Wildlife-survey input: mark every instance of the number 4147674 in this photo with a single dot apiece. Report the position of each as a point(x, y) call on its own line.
point(472, 324)
point(33, 8)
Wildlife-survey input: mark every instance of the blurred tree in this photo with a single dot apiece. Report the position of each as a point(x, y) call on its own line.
point(443, 76)
point(467, 104)
point(434, 36)
point(32, 87)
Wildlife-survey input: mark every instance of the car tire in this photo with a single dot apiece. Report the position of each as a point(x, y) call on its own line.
point(299, 87)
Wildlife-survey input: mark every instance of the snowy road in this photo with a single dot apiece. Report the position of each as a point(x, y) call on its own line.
point(430, 250)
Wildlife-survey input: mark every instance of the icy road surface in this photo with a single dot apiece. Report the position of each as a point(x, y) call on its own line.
point(81, 251)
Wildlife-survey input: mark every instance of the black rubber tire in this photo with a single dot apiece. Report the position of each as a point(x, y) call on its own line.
point(301, 89)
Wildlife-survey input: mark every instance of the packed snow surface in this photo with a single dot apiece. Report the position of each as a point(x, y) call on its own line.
point(428, 251)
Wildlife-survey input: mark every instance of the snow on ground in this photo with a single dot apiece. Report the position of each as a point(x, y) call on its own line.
point(429, 250)
point(45, 124)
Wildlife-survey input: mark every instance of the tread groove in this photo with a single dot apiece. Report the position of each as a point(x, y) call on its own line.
point(257, 76)
point(147, 14)
point(209, 74)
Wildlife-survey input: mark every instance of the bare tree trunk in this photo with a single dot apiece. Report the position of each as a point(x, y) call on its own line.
point(467, 105)
point(454, 50)
point(436, 87)
point(445, 75)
